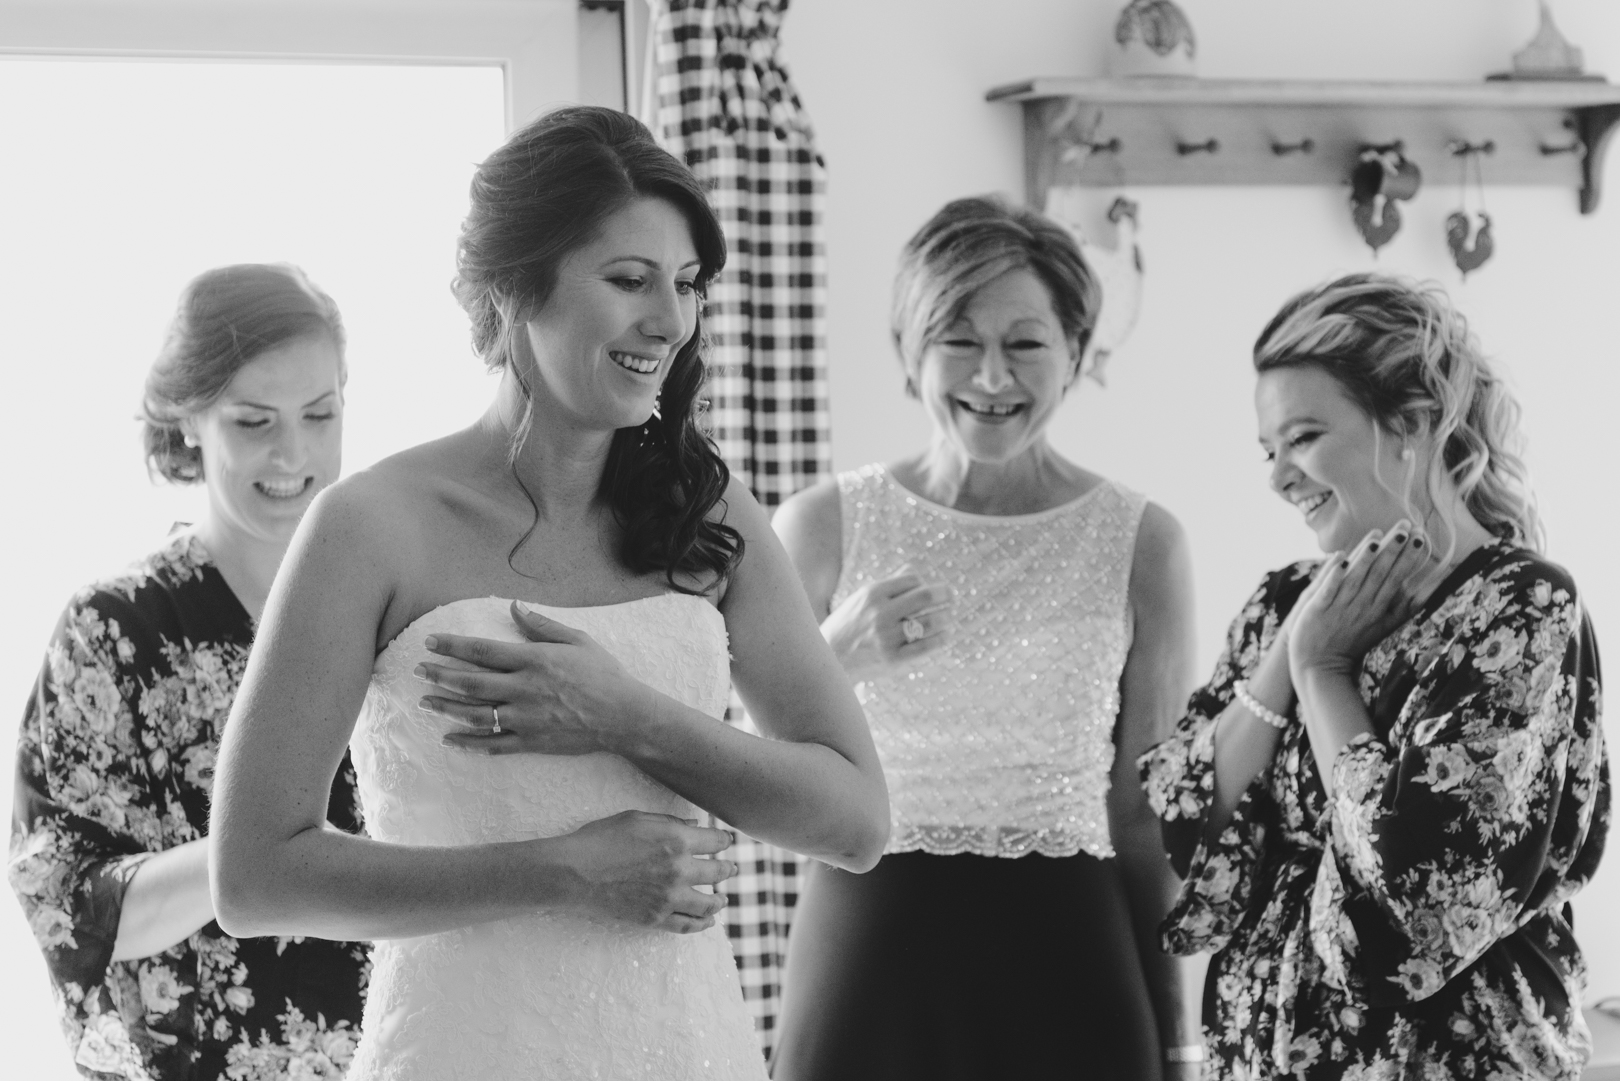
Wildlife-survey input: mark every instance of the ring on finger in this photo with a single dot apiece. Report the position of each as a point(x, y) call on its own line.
point(912, 628)
point(495, 712)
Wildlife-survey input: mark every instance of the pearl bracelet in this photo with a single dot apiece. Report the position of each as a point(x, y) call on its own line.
point(1256, 707)
point(1193, 1052)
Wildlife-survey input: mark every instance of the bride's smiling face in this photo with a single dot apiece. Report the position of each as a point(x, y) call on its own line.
point(623, 306)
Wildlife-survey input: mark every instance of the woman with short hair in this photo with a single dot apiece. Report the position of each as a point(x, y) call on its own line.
point(116, 752)
point(1395, 780)
point(1019, 629)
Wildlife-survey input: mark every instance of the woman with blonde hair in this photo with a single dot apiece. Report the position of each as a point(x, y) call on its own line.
point(1020, 629)
point(1395, 780)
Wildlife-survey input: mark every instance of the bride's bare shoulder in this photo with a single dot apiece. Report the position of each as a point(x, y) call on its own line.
point(395, 504)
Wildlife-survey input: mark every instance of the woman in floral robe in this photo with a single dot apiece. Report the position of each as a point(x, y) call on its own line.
point(1395, 781)
point(117, 745)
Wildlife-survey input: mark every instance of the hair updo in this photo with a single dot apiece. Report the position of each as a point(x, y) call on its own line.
point(967, 245)
point(227, 316)
point(547, 192)
point(1405, 355)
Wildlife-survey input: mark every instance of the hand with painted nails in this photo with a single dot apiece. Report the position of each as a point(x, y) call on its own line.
point(560, 692)
point(889, 624)
point(1358, 600)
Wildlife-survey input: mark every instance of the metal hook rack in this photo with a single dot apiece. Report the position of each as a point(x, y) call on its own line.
point(1227, 131)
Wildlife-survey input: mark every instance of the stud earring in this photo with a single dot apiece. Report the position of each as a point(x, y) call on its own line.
point(1406, 454)
point(190, 441)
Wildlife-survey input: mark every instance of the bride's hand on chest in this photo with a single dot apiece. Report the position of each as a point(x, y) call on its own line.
point(558, 693)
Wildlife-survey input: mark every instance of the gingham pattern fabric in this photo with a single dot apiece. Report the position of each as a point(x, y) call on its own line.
point(719, 98)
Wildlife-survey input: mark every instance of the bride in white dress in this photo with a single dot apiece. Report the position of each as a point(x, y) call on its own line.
point(536, 621)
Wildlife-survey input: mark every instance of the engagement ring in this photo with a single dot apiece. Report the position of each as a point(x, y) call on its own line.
point(912, 628)
point(495, 711)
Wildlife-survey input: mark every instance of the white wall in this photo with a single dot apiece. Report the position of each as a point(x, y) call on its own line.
point(896, 91)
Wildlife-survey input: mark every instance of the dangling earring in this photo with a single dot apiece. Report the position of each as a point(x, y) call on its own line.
point(911, 388)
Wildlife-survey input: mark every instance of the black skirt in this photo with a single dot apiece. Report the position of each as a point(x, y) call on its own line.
point(961, 968)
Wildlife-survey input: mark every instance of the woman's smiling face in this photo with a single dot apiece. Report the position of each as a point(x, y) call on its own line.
point(1330, 459)
point(273, 438)
point(623, 306)
point(993, 379)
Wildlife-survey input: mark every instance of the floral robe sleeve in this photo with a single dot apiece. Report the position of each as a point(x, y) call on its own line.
point(1473, 808)
point(114, 763)
point(1179, 775)
point(1415, 924)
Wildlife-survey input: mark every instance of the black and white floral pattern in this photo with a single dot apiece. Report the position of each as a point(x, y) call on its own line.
point(1415, 925)
point(115, 760)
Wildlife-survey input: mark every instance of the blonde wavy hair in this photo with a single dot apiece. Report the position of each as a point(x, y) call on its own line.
point(1402, 352)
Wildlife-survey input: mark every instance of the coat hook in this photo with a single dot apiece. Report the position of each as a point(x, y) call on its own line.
point(1397, 147)
point(1083, 147)
point(1304, 146)
point(1208, 146)
point(1461, 147)
point(1575, 147)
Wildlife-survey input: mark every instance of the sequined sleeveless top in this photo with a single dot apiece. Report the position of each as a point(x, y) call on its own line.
point(1000, 743)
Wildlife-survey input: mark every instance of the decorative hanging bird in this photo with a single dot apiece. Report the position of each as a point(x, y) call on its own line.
point(1469, 256)
point(1119, 271)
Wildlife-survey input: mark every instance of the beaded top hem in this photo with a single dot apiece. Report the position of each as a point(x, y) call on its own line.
point(996, 841)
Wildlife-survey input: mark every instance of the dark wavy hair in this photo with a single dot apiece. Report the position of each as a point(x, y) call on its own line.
point(1403, 352)
point(227, 316)
point(543, 195)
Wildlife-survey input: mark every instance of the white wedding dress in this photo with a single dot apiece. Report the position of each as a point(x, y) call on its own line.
point(543, 995)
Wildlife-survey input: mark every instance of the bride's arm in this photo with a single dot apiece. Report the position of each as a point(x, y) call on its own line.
point(814, 785)
point(277, 868)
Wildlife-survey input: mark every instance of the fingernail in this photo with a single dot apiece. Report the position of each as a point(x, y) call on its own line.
point(1373, 547)
point(420, 671)
point(1417, 542)
point(430, 642)
point(425, 705)
point(1345, 565)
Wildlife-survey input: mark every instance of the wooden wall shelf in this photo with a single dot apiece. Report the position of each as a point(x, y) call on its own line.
point(1157, 130)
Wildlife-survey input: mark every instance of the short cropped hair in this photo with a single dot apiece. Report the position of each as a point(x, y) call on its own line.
point(970, 243)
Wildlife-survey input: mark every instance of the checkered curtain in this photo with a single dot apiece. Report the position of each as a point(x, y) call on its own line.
point(719, 98)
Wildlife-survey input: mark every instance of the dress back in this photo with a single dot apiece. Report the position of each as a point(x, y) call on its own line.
point(1000, 743)
point(547, 994)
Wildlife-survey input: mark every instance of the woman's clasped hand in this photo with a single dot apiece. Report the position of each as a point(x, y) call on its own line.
point(890, 624)
point(1358, 599)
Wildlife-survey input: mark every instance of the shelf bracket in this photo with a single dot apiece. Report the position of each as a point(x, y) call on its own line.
point(1594, 127)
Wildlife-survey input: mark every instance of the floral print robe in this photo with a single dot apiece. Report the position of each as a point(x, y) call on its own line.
point(1416, 924)
point(114, 762)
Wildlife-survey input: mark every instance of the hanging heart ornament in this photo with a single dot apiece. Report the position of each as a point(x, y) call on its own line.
point(1469, 256)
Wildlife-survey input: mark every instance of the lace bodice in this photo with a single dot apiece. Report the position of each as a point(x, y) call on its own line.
point(1001, 742)
point(545, 995)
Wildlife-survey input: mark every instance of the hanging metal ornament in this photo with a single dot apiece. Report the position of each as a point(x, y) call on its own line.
point(1471, 245)
point(1381, 178)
